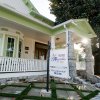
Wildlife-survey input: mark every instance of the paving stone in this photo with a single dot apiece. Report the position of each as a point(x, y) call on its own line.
point(67, 95)
point(86, 87)
point(91, 88)
point(44, 93)
point(61, 94)
point(73, 95)
point(64, 86)
point(13, 90)
point(85, 93)
point(21, 84)
point(34, 92)
point(6, 98)
point(40, 84)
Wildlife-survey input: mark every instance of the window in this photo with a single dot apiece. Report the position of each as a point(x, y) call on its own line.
point(10, 47)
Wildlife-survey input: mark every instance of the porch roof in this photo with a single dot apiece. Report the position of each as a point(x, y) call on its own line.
point(39, 23)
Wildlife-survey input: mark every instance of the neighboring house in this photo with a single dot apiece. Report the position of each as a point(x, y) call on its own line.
point(24, 36)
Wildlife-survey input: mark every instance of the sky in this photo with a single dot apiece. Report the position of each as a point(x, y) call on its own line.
point(43, 7)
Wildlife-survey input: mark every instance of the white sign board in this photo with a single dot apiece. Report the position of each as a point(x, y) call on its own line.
point(59, 63)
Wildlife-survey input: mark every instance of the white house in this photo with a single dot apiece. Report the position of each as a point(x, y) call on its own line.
point(24, 35)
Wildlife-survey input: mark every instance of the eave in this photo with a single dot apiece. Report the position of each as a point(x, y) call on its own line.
point(79, 26)
point(24, 20)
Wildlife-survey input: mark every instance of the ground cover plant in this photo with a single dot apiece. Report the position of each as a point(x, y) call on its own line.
point(54, 87)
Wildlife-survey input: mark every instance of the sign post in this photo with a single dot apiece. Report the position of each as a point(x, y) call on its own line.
point(48, 58)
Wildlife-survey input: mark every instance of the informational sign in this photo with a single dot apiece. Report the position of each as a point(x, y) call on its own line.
point(59, 63)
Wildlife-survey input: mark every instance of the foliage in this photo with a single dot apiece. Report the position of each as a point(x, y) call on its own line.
point(94, 46)
point(73, 9)
point(53, 89)
point(69, 9)
point(91, 95)
point(76, 9)
point(78, 91)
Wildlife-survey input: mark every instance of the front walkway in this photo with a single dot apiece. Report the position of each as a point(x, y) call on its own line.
point(59, 91)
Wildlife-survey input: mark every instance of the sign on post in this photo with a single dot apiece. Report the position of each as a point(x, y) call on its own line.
point(59, 63)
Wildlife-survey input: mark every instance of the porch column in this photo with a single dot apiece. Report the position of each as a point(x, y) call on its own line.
point(89, 59)
point(52, 42)
point(71, 56)
point(17, 51)
point(2, 48)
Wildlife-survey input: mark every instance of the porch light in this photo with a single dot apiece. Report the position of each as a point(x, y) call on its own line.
point(85, 41)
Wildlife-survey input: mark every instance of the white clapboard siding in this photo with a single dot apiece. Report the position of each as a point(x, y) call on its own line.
point(8, 64)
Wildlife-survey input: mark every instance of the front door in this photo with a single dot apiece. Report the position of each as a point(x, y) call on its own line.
point(40, 51)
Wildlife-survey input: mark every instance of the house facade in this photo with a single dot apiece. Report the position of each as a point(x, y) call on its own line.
point(24, 36)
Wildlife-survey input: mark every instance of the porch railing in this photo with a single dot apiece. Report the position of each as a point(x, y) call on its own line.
point(8, 64)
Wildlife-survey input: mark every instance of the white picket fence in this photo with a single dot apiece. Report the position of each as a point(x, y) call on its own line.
point(8, 64)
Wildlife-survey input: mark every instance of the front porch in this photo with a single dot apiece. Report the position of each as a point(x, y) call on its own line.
point(23, 44)
point(20, 67)
point(23, 50)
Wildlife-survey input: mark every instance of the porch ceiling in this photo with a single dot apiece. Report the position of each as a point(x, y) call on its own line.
point(61, 38)
point(82, 28)
point(28, 32)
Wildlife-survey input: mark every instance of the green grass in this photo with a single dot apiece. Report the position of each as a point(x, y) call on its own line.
point(91, 95)
point(24, 92)
point(53, 90)
point(2, 86)
point(78, 91)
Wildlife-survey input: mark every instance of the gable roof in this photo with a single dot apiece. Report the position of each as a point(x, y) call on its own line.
point(15, 5)
point(20, 11)
point(18, 5)
point(26, 8)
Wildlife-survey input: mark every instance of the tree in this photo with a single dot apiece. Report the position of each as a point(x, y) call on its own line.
point(74, 9)
point(68, 9)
